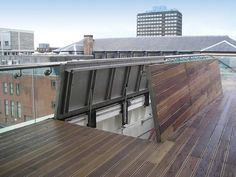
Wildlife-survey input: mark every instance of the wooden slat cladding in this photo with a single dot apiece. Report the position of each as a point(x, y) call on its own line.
point(182, 90)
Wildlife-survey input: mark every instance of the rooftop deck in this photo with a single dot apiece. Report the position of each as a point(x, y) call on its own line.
point(204, 146)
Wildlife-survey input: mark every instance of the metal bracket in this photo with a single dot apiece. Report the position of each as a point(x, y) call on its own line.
point(48, 72)
point(16, 75)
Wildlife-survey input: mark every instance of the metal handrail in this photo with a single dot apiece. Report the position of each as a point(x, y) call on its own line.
point(29, 66)
point(222, 54)
point(111, 61)
point(229, 67)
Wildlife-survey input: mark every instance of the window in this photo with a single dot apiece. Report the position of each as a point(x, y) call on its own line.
point(53, 83)
point(17, 89)
point(27, 118)
point(6, 105)
point(12, 109)
point(11, 88)
point(18, 109)
point(53, 104)
point(5, 87)
point(6, 43)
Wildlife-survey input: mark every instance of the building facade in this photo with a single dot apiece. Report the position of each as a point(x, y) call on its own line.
point(16, 42)
point(45, 48)
point(19, 102)
point(159, 23)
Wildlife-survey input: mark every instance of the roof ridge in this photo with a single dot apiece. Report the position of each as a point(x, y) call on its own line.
point(148, 37)
point(219, 43)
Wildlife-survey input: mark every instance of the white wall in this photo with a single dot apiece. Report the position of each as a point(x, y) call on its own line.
point(110, 119)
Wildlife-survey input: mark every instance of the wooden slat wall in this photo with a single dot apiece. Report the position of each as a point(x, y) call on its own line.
point(181, 90)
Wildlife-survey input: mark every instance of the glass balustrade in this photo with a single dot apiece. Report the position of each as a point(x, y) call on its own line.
point(27, 95)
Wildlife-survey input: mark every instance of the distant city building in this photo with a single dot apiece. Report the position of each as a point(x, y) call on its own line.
point(44, 45)
point(159, 22)
point(45, 48)
point(16, 42)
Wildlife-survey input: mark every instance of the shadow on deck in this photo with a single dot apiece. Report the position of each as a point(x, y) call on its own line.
point(204, 146)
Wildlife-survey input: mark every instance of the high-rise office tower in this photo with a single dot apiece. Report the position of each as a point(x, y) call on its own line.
point(159, 23)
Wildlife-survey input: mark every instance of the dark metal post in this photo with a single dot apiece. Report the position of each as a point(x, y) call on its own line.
point(92, 120)
point(110, 84)
point(92, 112)
point(146, 101)
point(124, 104)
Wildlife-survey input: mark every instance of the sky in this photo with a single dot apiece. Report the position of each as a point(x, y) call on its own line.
point(61, 22)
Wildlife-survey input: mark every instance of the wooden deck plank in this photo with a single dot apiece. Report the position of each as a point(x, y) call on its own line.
point(54, 166)
point(40, 156)
point(164, 148)
point(25, 132)
point(181, 157)
point(131, 168)
point(100, 159)
point(130, 158)
point(232, 149)
point(223, 147)
point(79, 163)
point(204, 146)
point(204, 139)
point(144, 169)
point(174, 162)
point(31, 158)
point(113, 161)
point(43, 146)
point(33, 141)
point(189, 167)
point(161, 167)
point(229, 171)
point(210, 151)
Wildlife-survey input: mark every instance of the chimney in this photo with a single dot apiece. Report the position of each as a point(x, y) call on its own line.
point(88, 44)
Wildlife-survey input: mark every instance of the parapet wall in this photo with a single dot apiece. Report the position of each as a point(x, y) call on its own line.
point(179, 91)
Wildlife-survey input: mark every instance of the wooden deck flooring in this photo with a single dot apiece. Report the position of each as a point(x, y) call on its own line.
point(204, 146)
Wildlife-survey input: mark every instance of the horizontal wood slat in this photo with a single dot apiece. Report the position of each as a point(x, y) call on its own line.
point(182, 90)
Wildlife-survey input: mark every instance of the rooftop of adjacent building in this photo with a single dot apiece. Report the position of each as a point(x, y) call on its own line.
point(15, 30)
point(160, 12)
point(159, 43)
point(161, 9)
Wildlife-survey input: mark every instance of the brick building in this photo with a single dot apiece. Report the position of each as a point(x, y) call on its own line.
point(18, 100)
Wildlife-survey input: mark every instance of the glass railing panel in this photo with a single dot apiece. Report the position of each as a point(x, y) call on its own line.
point(228, 72)
point(228, 67)
point(27, 95)
point(45, 84)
